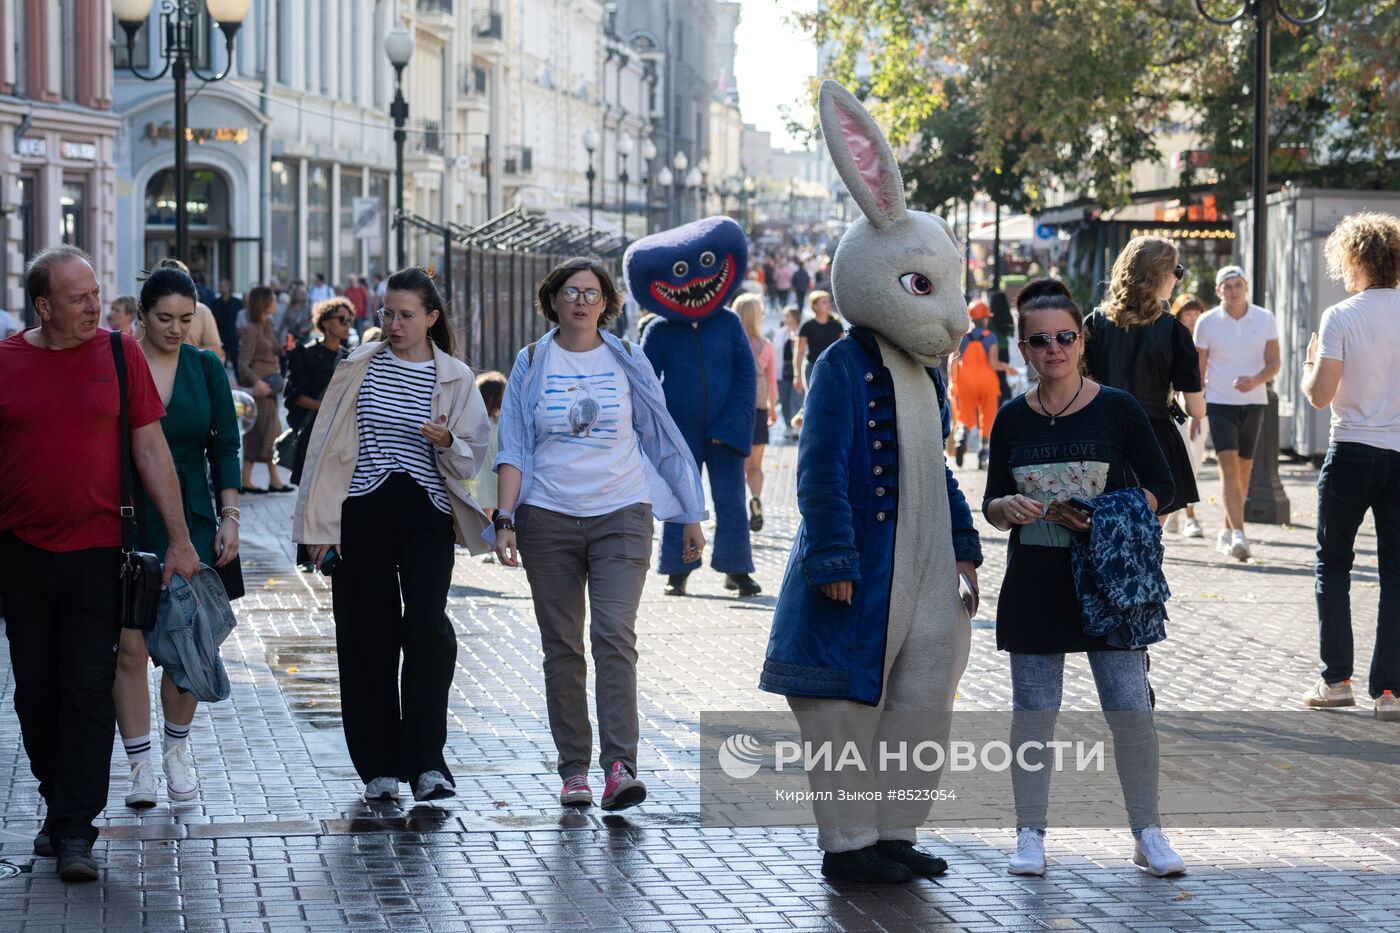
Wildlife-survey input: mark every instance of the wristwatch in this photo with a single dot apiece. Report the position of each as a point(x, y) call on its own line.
point(504, 522)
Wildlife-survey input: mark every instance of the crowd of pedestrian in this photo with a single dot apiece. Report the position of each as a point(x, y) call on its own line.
point(391, 441)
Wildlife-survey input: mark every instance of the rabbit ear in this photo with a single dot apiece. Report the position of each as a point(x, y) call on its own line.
point(862, 156)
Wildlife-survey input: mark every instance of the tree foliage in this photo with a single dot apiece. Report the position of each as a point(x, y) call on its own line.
point(1073, 93)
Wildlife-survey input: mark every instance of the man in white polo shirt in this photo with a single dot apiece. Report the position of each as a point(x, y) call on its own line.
point(1238, 344)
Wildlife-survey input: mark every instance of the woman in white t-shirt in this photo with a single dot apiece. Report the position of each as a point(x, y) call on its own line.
point(1353, 364)
point(588, 455)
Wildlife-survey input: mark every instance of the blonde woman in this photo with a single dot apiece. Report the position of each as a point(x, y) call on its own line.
point(750, 311)
point(1351, 365)
point(1133, 343)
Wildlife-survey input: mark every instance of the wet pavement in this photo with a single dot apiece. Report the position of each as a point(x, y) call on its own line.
point(278, 839)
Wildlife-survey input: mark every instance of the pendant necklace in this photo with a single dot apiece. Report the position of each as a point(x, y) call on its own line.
point(1039, 398)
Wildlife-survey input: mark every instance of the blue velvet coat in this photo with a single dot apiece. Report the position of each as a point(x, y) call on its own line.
point(847, 493)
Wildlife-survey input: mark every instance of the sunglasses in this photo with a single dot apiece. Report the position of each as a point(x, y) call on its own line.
point(590, 296)
point(1179, 271)
point(1065, 338)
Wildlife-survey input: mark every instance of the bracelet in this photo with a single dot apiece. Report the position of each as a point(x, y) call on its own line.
point(233, 512)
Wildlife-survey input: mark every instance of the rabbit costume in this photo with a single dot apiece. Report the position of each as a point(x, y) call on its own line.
point(702, 355)
point(879, 507)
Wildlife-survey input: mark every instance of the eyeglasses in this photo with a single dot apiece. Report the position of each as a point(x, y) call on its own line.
point(339, 319)
point(1179, 271)
point(590, 296)
point(1065, 338)
point(387, 317)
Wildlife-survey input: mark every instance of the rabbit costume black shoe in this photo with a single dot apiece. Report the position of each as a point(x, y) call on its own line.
point(881, 513)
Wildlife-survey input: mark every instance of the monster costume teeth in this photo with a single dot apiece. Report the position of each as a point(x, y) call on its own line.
point(700, 295)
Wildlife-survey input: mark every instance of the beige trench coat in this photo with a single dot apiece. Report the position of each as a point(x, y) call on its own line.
point(335, 447)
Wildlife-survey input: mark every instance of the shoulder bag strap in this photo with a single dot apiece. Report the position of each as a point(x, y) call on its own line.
point(211, 442)
point(127, 502)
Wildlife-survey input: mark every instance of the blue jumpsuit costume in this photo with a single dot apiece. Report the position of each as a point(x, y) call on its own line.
point(706, 367)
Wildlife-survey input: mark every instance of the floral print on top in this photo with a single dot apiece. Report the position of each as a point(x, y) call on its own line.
point(1051, 482)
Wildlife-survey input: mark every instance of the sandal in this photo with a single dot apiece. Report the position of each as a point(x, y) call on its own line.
point(755, 514)
point(283, 488)
point(251, 490)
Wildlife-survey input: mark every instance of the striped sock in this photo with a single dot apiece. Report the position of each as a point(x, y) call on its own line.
point(138, 748)
point(175, 734)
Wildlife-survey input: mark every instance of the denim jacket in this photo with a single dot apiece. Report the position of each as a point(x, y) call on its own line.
point(677, 495)
point(192, 621)
point(1118, 571)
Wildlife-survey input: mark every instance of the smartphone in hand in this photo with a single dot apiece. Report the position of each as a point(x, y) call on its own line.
point(970, 597)
point(330, 563)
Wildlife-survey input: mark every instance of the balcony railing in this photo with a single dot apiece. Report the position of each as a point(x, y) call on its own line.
point(426, 137)
point(435, 6)
point(519, 160)
point(474, 80)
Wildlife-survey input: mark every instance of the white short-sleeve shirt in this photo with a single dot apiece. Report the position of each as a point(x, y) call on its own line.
point(1364, 333)
point(1235, 348)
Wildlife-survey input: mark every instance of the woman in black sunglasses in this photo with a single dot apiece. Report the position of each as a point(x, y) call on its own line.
point(1132, 342)
point(1069, 437)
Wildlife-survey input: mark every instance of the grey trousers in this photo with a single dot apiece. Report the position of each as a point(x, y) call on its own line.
point(609, 556)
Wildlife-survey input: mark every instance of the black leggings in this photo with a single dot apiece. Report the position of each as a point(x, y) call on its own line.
point(395, 543)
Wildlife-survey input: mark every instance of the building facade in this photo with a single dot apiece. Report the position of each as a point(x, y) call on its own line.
point(57, 137)
point(284, 152)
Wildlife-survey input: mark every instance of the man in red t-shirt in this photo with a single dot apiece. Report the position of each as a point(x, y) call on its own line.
point(60, 538)
point(358, 296)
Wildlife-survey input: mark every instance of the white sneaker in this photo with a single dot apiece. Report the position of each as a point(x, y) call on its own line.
point(1239, 547)
point(1191, 528)
point(381, 788)
point(1030, 854)
point(143, 786)
point(181, 782)
point(1173, 524)
point(1328, 695)
point(1154, 855)
point(1388, 707)
point(1222, 542)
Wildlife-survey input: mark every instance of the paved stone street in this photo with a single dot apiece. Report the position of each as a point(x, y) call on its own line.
point(278, 839)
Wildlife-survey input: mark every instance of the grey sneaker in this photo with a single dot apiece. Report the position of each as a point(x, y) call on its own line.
point(1154, 855)
point(75, 861)
point(1327, 695)
point(1388, 707)
point(431, 785)
point(381, 788)
point(1029, 858)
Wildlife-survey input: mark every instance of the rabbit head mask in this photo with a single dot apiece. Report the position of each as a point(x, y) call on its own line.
point(896, 271)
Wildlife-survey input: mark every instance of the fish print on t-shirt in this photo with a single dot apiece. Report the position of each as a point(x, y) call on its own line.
point(582, 409)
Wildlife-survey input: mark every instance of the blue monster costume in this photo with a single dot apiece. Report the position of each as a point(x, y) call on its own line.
point(707, 371)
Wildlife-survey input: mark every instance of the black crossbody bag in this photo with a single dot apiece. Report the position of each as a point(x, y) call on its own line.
point(231, 573)
point(140, 571)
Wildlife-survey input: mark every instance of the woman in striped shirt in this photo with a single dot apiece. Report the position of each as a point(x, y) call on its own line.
point(382, 502)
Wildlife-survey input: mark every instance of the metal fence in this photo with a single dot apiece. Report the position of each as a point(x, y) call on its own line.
point(494, 272)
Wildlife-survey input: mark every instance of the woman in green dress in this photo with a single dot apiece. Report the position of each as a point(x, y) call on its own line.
point(195, 391)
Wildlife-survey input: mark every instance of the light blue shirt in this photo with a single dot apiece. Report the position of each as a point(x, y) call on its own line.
point(671, 472)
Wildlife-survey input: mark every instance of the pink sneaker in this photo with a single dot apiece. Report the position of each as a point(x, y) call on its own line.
point(576, 792)
point(622, 790)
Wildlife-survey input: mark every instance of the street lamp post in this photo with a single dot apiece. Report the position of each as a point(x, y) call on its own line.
point(680, 163)
point(665, 179)
point(624, 152)
point(749, 187)
point(1267, 501)
point(704, 168)
point(694, 180)
point(590, 142)
point(648, 154)
point(178, 45)
point(398, 45)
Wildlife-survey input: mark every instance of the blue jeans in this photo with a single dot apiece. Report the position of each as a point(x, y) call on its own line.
point(1037, 682)
point(1357, 477)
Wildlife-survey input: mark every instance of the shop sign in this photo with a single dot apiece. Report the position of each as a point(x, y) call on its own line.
point(238, 135)
point(33, 146)
point(84, 151)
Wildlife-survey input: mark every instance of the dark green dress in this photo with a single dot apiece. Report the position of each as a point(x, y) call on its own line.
point(186, 425)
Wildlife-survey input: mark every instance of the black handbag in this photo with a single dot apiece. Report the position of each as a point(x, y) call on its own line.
point(140, 572)
point(231, 573)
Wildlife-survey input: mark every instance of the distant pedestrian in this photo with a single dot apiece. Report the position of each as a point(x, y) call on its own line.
point(260, 372)
point(973, 383)
point(492, 385)
point(1133, 343)
point(378, 290)
point(784, 348)
point(1070, 437)
point(814, 336)
point(61, 535)
point(801, 282)
point(294, 327)
point(309, 370)
point(358, 296)
point(1353, 364)
point(382, 496)
point(1187, 309)
point(320, 291)
point(770, 284)
point(121, 314)
point(783, 269)
point(1239, 354)
point(750, 311)
point(227, 308)
point(581, 412)
point(194, 388)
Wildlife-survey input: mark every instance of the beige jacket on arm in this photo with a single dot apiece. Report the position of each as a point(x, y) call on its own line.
point(334, 449)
